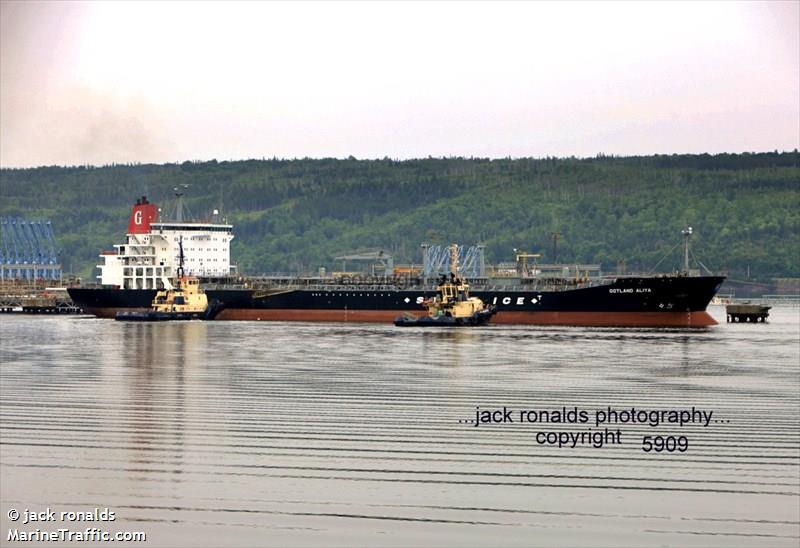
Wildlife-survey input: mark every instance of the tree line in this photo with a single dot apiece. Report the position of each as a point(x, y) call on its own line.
point(296, 215)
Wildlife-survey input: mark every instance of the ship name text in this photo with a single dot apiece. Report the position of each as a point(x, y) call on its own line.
point(630, 290)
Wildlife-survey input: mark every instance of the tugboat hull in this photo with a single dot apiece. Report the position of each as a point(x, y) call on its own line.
point(152, 316)
point(209, 313)
point(481, 317)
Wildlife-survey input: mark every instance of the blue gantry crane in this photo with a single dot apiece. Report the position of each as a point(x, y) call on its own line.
point(28, 250)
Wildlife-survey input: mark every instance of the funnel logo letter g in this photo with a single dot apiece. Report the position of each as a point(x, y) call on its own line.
point(137, 217)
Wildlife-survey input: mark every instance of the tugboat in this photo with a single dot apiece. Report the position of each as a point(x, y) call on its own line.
point(453, 307)
point(185, 301)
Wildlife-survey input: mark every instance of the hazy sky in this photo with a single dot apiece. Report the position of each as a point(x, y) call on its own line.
point(96, 83)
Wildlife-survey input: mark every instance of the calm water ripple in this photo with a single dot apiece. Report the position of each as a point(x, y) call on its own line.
point(251, 433)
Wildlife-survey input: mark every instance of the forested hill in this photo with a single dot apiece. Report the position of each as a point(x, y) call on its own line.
point(295, 215)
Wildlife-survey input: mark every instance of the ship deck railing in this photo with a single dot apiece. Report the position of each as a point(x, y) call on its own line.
point(316, 283)
point(430, 287)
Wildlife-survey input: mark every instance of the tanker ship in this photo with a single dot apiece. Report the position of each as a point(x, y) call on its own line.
point(576, 295)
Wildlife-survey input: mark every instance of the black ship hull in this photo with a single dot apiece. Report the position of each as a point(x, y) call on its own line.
point(107, 302)
point(662, 301)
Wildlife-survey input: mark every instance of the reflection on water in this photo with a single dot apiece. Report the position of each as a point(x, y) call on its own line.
point(243, 433)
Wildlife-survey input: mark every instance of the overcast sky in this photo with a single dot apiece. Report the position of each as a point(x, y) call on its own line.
point(96, 83)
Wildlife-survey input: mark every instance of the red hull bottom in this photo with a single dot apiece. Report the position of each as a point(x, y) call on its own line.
point(588, 319)
point(592, 319)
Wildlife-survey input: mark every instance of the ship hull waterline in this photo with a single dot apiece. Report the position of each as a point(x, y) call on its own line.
point(698, 319)
point(577, 319)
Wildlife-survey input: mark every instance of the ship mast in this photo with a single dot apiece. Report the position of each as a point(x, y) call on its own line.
point(687, 232)
point(180, 257)
point(454, 259)
point(179, 202)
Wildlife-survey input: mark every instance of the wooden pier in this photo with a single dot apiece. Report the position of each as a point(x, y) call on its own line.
point(741, 313)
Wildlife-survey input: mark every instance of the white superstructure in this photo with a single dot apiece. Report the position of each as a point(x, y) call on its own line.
point(150, 252)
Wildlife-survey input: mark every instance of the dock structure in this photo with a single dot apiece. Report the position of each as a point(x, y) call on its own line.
point(782, 300)
point(34, 297)
point(31, 279)
point(753, 313)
